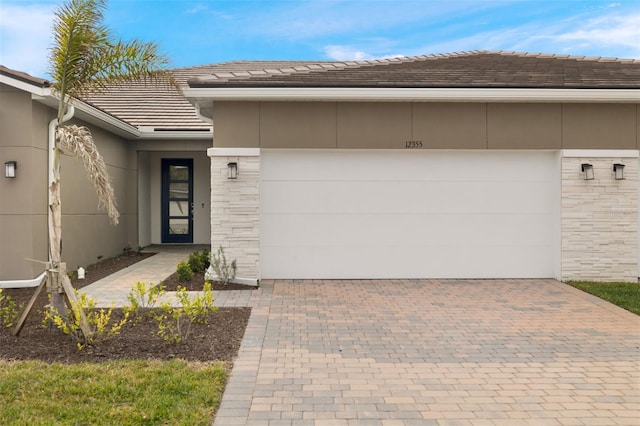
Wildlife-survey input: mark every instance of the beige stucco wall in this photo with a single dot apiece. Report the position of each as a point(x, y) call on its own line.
point(387, 125)
point(87, 229)
point(87, 233)
point(599, 220)
point(23, 203)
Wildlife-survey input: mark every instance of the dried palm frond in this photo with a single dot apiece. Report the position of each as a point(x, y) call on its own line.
point(77, 140)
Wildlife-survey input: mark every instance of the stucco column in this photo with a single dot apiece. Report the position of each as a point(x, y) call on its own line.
point(599, 219)
point(235, 209)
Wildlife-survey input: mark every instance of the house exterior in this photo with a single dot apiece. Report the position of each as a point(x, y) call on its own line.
point(469, 165)
point(146, 134)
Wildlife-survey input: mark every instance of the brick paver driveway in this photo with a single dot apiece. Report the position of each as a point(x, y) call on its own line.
point(421, 352)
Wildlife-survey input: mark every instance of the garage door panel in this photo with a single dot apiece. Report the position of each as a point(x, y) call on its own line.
point(390, 214)
point(411, 229)
point(363, 262)
point(394, 197)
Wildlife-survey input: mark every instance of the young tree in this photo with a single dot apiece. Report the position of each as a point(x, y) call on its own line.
point(84, 58)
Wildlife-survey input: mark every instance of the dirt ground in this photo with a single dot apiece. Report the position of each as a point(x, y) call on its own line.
point(219, 339)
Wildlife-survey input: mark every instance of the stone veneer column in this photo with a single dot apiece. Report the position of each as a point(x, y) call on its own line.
point(599, 219)
point(235, 209)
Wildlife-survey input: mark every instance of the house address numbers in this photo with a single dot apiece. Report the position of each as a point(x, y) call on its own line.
point(413, 144)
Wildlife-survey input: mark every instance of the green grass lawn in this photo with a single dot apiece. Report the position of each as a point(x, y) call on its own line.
point(113, 393)
point(625, 295)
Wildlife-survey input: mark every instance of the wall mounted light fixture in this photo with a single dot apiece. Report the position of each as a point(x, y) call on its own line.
point(618, 170)
point(10, 169)
point(587, 169)
point(232, 170)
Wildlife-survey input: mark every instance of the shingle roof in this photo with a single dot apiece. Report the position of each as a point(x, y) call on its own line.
point(476, 69)
point(149, 104)
point(159, 106)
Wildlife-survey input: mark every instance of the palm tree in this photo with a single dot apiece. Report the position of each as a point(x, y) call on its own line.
point(85, 58)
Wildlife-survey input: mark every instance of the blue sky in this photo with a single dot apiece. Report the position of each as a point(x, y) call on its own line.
point(208, 31)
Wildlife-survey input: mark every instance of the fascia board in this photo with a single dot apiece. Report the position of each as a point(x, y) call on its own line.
point(22, 85)
point(179, 135)
point(91, 115)
point(412, 94)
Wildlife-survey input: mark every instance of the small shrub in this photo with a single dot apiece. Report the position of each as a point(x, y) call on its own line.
point(206, 258)
point(9, 311)
point(144, 296)
point(174, 323)
point(224, 271)
point(99, 321)
point(184, 271)
point(199, 262)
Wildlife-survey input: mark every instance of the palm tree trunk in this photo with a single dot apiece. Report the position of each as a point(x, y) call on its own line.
point(54, 286)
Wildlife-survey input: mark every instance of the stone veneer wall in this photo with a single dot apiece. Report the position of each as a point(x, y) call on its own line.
point(235, 212)
point(599, 220)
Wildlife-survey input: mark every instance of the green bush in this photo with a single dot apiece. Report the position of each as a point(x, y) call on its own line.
point(174, 323)
point(99, 321)
point(199, 261)
point(9, 311)
point(143, 296)
point(184, 271)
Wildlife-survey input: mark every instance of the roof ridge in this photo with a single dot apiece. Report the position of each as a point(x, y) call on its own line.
point(520, 54)
point(559, 56)
point(291, 67)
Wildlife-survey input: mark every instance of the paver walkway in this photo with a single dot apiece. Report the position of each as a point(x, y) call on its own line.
point(441, 352)
point(421, 352)
point(115, 288)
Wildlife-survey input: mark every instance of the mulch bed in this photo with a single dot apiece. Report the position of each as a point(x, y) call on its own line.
point(218, 340)
point(195, 284)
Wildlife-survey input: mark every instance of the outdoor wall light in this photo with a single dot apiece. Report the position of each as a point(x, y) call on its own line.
point(232, 170)
point(587, 169)
point(618, 170)
point(10, 169)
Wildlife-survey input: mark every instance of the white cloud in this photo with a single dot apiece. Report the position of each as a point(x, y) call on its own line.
point(606, 31)
point(199, 7)
point(25, 37)
point(349, 53)
point(612, 35)
point(345, 53)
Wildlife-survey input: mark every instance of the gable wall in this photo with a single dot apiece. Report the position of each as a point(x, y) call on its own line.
point(23, 200)
point(382, 125)
point(87, 233)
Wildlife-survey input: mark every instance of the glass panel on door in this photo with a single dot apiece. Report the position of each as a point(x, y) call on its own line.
point(177, 200)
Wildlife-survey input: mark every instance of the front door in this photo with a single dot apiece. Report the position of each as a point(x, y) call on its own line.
point(177, 200)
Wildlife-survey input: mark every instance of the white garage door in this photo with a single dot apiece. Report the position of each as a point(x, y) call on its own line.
point(407, 214)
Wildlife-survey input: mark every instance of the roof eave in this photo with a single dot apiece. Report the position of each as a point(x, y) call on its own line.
point(92, 115)
point(22, 84)
point(354, 94)
point(151, 133)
